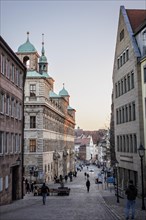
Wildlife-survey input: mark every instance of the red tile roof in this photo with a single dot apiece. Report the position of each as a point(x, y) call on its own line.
point(136, 17)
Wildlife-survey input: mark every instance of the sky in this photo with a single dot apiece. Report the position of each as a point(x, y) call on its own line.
point(79, 39)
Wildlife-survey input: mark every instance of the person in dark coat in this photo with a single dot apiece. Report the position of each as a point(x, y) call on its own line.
point(131, 193)
point(88, 185)
point(44, 191)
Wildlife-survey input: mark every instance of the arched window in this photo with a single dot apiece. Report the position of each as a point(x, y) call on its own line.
point(26, 62)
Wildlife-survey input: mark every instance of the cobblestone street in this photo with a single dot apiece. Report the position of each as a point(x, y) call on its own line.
point(98, 204)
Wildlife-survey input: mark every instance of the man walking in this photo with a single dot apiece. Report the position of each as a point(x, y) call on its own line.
point(131, 193)
point(88, 185)
point(44, 191)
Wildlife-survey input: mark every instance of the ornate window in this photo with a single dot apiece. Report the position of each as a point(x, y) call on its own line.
point(32, 145)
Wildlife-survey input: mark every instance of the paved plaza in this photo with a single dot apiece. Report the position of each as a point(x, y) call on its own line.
point(99, 204)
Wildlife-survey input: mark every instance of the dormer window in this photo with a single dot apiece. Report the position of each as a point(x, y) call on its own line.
point(121, 35)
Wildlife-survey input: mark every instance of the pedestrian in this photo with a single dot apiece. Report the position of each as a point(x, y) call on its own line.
point(32, 186)
point(88, 185)
point(66, 177)
point(131, 193)
point(27, 187)
point(85, 174)
point(44, 191)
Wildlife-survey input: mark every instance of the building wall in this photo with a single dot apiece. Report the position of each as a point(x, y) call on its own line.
point(11, 124)
point(129, 161)
point(53, 133)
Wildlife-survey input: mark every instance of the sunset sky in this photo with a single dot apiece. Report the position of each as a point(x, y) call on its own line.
point(80, 38)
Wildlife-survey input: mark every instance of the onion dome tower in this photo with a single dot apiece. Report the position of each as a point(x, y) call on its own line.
point(28, 55)
point(43, 64)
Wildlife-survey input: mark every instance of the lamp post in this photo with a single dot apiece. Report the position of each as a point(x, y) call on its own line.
point(117, 165)
point(141, 152)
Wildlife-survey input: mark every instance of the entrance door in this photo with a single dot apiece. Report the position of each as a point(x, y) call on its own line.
point(15, 183)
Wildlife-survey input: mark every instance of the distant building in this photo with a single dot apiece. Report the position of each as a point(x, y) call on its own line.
point(84, 147)
point(49, 120)
point(12, 78)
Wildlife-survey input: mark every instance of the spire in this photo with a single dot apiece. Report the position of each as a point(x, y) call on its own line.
point(43, 64)
point(27, 36)
point(43, 50)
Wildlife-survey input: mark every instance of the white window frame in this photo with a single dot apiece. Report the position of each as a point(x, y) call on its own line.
point(6, 182)
point(1, 142)
point(1, 184)
point(2, 103)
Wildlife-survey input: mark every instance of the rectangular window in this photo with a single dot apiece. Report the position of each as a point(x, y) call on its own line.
point(122, 87)
point(124, 143)
point(144, 75)
point(127, 137)
point(125, 84)
point(32, 122)
point(118, 63)
point(135, 143)
point(130, 112)
point(1, 142)
point(16, 77)
point(133, 111)
point(6, 143)
point(13, 108)
point(116, 90)
point(117, 143)
point(7, 68)
point(132, 80)
point(20, 139)
point(2, 64)
point(7, 105)
point(121, 35)
point(128, 85)
point(32, 90)
point(6, 182)
point(124, 57)
point(1, 184)
point(13, 72)
point(121, 60)
point(131, 143)
point(12, 143)
point(126, 114)
point(16, 142)
point(127, 54)
point(32, 145)
point(1, 103)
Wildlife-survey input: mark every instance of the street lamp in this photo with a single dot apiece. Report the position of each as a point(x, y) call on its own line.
point(141, 152)
point(117, 165)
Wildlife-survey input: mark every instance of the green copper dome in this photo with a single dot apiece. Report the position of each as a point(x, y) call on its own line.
point(27, 46)
point(43, 59)
point(63, 92)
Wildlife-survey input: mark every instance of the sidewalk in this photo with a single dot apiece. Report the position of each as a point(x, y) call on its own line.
point(119, 208)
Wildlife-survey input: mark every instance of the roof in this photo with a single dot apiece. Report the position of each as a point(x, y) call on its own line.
point(63, 92)
point(27, 46)
point(70, 108)
point(136, 18)
point(53, 95)
point(34, 73)
point(82, 141)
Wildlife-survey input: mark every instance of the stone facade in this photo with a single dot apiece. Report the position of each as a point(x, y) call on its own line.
point(49, 123)
point(127, 102)
point(12, 77)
